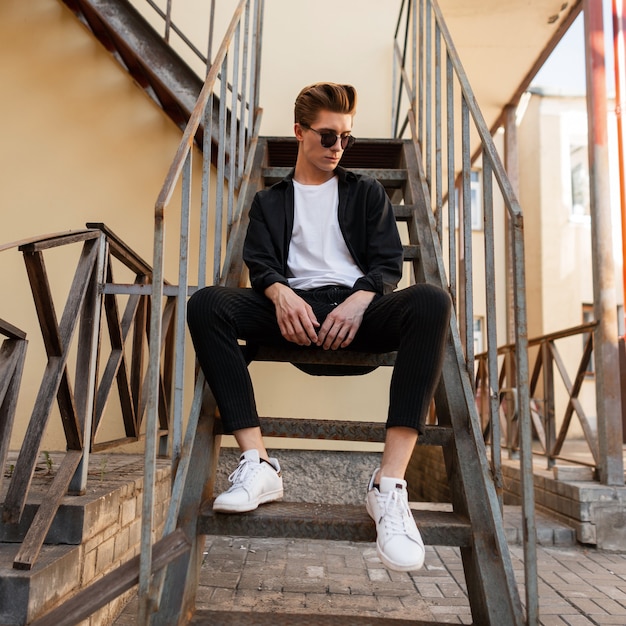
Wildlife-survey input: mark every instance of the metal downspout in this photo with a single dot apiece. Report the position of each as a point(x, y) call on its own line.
point(608, 403)
point(619, 44)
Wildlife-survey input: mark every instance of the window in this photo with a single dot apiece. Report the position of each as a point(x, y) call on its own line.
point(479, 344)
point(579, 179)
point(476, 201)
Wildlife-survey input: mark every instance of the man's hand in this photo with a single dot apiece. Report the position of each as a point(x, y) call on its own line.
point(340, 327)
point(295, 317)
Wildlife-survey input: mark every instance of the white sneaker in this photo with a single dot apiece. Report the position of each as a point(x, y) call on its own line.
point(398, 542)
point(254, 482)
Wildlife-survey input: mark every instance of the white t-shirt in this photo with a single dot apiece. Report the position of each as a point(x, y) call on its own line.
point(318, 254)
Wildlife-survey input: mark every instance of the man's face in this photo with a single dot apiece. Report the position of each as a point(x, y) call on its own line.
point(311, 149)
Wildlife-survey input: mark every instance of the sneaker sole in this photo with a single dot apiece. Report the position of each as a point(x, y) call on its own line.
point(271, 496)
point(397, 567)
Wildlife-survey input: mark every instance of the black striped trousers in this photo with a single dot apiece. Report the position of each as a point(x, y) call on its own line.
point(413, 321)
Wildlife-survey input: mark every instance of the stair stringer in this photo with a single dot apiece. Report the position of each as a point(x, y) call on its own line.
point(177, 603)
point(492, 589)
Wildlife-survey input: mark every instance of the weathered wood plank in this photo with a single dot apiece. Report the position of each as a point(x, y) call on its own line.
point(46, 313)
point(25, 467)
point(44, 305)
point(23, 243)
point(140, 330)
point(8, 330)
point(59, 240)
point(116, 368)
point(114, 584)
point(122, 251)
point(168, 315)
point(31, 546)
point(55, 375)
point(12, 356)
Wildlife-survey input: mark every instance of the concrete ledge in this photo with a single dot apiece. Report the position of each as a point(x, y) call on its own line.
point(596, 512)
point(566, 510)
point(91, 535)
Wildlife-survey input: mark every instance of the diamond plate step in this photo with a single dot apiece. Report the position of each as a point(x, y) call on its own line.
point(341, 430)
point(236, 618)
point(336, 522)
point(390, 178)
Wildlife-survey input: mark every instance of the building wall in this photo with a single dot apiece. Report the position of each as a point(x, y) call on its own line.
point(82, 142)
point(558, 239)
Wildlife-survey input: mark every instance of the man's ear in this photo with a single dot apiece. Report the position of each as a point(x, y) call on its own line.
point(297, 131)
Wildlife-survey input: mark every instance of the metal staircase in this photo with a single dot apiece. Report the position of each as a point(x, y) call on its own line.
point(475, 525)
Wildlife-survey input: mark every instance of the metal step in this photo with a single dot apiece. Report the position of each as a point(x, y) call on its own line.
point(366, 153)
point(333, 522)
point(341, 430)
point(319, 356)
point(389, 178)
point(403, 212)
point(271, 618)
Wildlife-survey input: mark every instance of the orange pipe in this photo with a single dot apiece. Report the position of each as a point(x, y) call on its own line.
point(619, 28)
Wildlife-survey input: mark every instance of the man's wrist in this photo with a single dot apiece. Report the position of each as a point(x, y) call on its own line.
point(273, 290)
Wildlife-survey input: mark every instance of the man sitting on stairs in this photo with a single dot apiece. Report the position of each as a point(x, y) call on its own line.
point(324, 256)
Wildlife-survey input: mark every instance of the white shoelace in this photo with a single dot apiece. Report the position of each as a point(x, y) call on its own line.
point(394, 514)
point(243, 474)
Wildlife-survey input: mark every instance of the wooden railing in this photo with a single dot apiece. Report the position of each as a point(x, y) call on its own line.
point(548, 370)
point(12, 356)
point(75, 348)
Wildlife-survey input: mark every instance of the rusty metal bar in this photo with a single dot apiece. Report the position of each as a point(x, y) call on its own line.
point(619, 55)
point(428, 141)
point(472, 127)
point(168, 20)
point(466, 222)
point(209, 56)
point(608, 404)
point(205, 194)
point(232, 161)
point(438, 141)
point(420, 86)
point(221, 169)
point(230, 136)
point(244, 85)
point(492, 339)
point(526, 453)
point(181, 322)
point(87, 365)
point(549, 414)
point(452, 258)
point(170, 27)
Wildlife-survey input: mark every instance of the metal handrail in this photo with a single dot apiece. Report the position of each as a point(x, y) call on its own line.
point(169, 27)
point(90, 311)
point(235, 70)
point(423, 47)
point(548, 367)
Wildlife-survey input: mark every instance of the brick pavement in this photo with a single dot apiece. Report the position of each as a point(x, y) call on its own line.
point(578, 586)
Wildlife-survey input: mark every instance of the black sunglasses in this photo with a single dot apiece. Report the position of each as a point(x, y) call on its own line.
point(329, 139)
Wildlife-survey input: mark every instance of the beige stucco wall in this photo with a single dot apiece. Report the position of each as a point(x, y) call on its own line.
point(558, 246)
point(81, 142)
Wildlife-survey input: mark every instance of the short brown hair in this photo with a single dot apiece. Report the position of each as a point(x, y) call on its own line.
point(324, 96)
